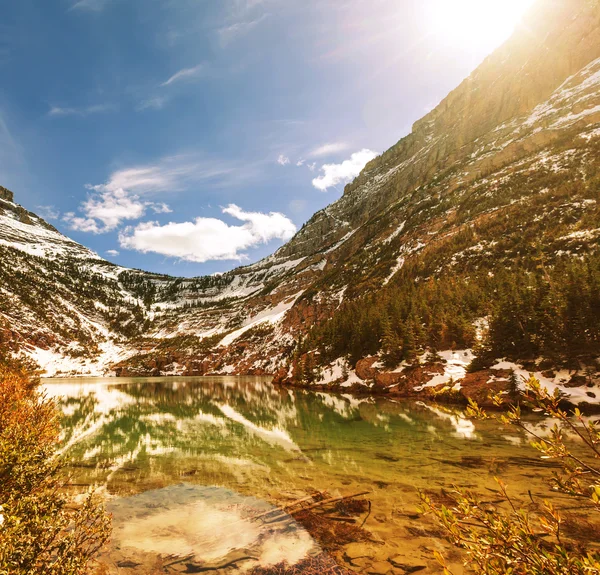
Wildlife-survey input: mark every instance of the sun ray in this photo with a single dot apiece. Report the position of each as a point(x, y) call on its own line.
point(475, 22)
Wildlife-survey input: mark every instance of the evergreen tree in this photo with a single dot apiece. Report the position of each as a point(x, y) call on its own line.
point(390, 345)
point(513, 383)
point(410, 342)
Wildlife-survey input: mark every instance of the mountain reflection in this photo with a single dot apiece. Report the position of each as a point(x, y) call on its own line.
point(136, 434)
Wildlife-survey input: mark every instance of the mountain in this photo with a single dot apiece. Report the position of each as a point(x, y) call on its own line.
point(478, 231)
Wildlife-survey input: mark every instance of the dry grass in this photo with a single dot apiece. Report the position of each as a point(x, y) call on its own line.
point(329, 533)
point(319, 565)
point(351, 507)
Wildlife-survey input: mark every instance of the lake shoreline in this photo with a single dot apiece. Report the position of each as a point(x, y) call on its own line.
point(442, 394)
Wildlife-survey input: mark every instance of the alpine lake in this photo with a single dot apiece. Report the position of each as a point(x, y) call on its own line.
point(194, 469)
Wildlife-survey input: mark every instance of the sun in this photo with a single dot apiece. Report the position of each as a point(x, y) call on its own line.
point(475, 23)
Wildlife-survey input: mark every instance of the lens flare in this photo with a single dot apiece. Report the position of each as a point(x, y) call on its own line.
point(475, 22)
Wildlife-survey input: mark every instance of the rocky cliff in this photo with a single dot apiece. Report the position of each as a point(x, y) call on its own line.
point(502, 175)
point(6, 195)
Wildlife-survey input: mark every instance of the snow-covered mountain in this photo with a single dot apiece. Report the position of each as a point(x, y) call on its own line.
point(503, 175)
point(76, 313)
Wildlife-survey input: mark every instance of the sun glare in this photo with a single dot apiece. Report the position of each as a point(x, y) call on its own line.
point(475, 22)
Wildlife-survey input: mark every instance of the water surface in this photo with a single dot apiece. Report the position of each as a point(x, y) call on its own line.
point(249, 439)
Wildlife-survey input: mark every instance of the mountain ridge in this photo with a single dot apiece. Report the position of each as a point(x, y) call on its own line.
point(468, 192)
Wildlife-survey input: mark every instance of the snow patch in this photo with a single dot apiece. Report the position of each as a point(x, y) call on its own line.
point(396, 233)
point(339, 372)
point(575, 395)
point(399, 265)
point(454, 370)
point(271, 315)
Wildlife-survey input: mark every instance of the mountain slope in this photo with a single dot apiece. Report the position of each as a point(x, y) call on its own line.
point(77, 313)
point(493, 196)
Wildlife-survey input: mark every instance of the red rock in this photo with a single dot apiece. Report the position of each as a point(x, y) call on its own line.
point(481, 385)
point(365, 369)
point(389, 379)
point(281, 376)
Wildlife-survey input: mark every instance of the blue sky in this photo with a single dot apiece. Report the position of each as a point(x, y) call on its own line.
point(192, 136)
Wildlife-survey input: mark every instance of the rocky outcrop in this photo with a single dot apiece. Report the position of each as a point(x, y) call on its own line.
point(558, 41)
point(6, 195)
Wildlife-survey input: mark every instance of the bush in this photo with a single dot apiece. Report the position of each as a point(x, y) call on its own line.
point(41, 530)
point(537, 543)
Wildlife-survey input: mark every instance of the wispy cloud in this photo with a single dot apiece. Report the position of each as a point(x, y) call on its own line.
point(334, 174)
point(113, 253)
point(48, 212)
point(124, 196)
point(90, 5)
point(328, 149)
point(57, 111)
point(319, 152)
point(239, 8)
point(170, 174)
point(156, 103)
point(187, 74)
point(209, 239)
point(228, 34)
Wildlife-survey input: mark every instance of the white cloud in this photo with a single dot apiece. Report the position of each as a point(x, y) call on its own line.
point(105, 211)
point(186, 74)
point(334, 174)
point(161, 208)
point(300, 163)
point(207, 239)
point(113, 253)
point(82, 224)
point(283, 160)
point(57, 111)
point(327, 149)
point(123, 196)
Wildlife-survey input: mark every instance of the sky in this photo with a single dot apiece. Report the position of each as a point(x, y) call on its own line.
point(189, 137)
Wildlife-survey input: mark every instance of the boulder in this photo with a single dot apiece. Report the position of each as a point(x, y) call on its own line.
point(577, 381)
point(409, 378)
point(481, 385)
point(365, 369)
point(390, 378)
point(6, 195)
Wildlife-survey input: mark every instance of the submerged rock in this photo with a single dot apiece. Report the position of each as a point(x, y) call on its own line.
point(202, 528)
